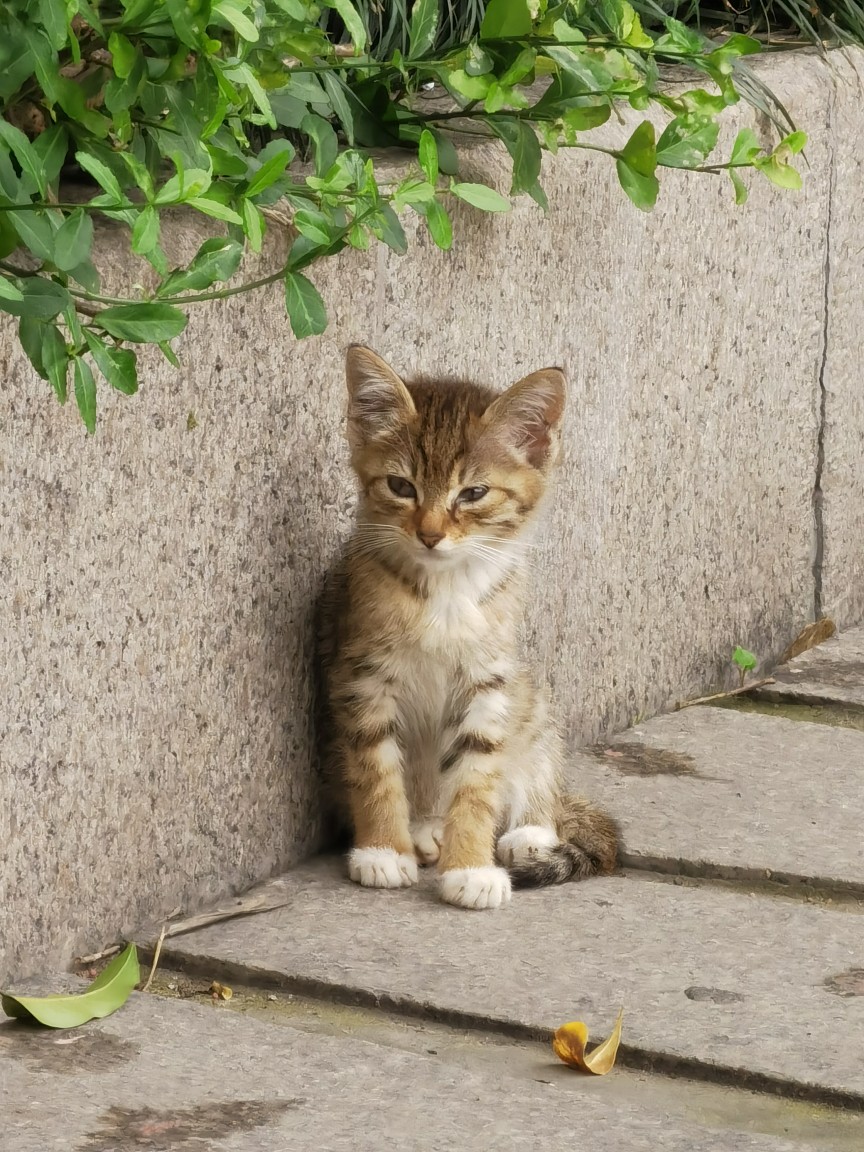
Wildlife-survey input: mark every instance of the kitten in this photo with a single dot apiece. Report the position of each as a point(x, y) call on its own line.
point(441, 745)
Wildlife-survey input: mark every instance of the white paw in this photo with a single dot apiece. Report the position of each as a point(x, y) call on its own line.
point(427, 839)
point(526, 843)
point(487, 887)
point(381, 868)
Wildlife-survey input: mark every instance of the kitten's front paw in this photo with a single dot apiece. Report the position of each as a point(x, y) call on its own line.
point(487, 887)
point(381, 868)
point(427, 839)
point(526, 844)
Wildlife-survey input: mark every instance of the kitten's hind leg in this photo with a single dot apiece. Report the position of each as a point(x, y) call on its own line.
point(583, 843)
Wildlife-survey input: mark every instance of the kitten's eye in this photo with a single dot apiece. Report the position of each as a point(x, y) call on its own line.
point(472, 495)
point(399, 486)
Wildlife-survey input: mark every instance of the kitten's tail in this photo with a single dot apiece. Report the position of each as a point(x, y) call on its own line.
point(588, 846)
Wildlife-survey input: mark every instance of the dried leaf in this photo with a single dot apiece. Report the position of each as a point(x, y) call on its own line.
point(569, 1042)
point(816, 633)
point(220, 991)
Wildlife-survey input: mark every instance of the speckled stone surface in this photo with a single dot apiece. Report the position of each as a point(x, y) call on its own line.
point(736, 792)
point(578, 952)
point(179, 1077)
point(157, 579)
point(832, 672)
point(842, 481)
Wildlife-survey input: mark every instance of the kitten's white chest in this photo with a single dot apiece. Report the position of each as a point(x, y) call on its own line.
point(452, 616)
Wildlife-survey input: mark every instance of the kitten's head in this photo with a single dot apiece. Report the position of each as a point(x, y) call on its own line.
point(448, 470)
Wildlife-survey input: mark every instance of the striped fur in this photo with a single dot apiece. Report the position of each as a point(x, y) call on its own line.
point(441, 748)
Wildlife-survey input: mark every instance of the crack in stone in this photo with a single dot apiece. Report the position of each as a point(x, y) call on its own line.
point(818, 499)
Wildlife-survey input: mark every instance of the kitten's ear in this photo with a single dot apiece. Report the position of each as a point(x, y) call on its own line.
point(527, 414)
point(378, 401)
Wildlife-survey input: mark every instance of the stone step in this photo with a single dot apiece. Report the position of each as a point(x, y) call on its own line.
point(757, 990)
point(719, 792)
point(174, 1076)
point(834, 671)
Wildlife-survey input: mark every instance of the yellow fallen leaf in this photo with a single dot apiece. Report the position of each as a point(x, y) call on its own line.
point(220, 991)
point(569, 1042)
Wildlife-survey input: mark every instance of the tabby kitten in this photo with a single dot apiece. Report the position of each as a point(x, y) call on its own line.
point(442, 747)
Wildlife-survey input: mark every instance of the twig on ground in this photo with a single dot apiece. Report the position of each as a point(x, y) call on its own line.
point(156, 952)
point(722, 695)
point(83, 961)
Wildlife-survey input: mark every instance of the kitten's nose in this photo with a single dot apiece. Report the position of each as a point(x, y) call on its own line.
point(430, 539)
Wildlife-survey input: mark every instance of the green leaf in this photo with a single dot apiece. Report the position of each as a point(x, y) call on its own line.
point(253, 225)
point(413, 191)
point(306, 310)
point(641, 189)
point(448, 158)
point(24, 153)
point(184, 186)
point(232, 12)
point(313, 224)
point(471, 87)
point(215, 208)
point(428, 154)
point(745, 660)
point(117, 365)
point(439, 224)
point(521, 142)
point(685, 144)
point(387, 227)
point(51, 147)
point(521, 67)
point(55, 359)
point(217, 259)
point(679, 39)
point(101, 173)
point(336, 92)
point(43, 299)
point(746, 147)
point(324, 141)
point(85, 395)
point(782, 175)
point(8, 291)
point(479, 196)
point(271, 170)
point(640, 151)
point(506, 18)
point(423, 27)
point(108, 992)
point(37, 231)
point(123, 54)
point(73, 241)
point(478, 61)
point(145, 233)
point(142, 323)
point(739, 186)
point(351, 20)
point(795, 142)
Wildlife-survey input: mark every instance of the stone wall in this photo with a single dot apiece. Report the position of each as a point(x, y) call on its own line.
point(158, 578)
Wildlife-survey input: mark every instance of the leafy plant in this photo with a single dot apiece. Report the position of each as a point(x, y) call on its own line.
point(744, 661)
point(226, 107)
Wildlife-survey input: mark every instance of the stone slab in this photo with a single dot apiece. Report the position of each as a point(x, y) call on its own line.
point(832, 672)
point(581, 952)
point(176, 1077)
point(737, 794)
